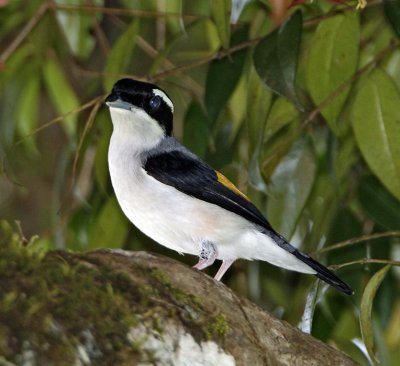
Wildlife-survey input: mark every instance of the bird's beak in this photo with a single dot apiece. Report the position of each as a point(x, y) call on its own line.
point(114, 101)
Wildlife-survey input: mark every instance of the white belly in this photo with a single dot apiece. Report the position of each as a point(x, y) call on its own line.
point(168, 216)
point(183, 223)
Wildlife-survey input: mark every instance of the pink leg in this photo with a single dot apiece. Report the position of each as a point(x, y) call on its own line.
point(207, 257)
point(204, 263)
point(224, 267)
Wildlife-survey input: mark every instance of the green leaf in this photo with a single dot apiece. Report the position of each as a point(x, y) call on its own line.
point(221, 14)
point(290, 187)
point(379, 204)
point(392, 67)
point(195, 133)
point(183, 49)
point(258, 105)
point(237, 8)
point(366, 309)
point(101, 161)
point(120, 55)
point(222, 77)
point(76, 27)
point(61, 93)
point(27, 112)
point(175, 23)
point(237, 108)
point(392, 12)
point(332, 61)
point(111, 227)
point(376, 124)
point(276, 55)
point(321, 208)
point(344, 159)
point(282, 113)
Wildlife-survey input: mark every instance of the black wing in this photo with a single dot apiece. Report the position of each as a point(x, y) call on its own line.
point(194, 177)
point(197, 179)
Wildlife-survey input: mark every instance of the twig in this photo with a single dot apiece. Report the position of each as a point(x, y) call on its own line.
point(360, 239)
point(348, 82)
point(24, 32)
point(365, 261)
point(126, 12)
point(152, 52)
point(204, 60)
point(310, 117)
point(317, 19)
point(179, 69)
point(104, 45)
point(88, 126)
point(22, 237)
point(46, 125)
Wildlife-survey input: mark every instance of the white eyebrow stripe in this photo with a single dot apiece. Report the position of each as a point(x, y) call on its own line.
point(164, 97)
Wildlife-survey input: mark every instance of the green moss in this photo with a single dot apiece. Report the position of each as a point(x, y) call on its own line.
point(191, 311)
point(176, 293)
point(218, 326)
point(50, 303)
point(53, 300)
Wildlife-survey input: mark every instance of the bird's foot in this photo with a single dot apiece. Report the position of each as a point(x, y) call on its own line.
point(224, 267)
point(208, 255)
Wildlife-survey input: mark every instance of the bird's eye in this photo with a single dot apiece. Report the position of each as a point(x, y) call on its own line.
point(155, 102)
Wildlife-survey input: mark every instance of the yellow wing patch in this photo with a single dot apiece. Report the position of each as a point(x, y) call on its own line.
point(228, 184)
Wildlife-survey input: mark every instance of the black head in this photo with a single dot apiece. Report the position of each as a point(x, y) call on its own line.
point(149, 97)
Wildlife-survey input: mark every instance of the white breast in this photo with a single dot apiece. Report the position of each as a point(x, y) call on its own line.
point(181, 222)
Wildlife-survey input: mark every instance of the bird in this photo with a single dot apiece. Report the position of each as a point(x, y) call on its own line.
point(179, 200)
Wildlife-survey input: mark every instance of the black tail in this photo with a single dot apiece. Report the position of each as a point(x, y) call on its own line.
point(322, 272)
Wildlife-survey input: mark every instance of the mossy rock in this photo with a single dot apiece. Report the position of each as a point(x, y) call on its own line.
point(121, 308)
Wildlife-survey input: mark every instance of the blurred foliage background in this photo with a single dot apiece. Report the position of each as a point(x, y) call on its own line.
point(297, 102)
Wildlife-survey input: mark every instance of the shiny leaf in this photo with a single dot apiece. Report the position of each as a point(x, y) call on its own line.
point(290, 187)
point(376, 126)
point(366, 309)
point(276, 55)
point(332, 61)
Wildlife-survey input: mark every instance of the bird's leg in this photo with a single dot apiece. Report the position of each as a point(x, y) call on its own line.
point(224, 267)
point(208, 255)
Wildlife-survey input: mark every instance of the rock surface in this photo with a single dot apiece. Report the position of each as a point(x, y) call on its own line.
point(134, 308)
